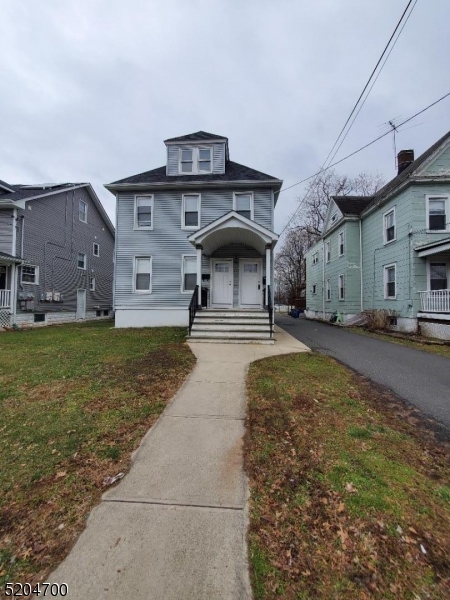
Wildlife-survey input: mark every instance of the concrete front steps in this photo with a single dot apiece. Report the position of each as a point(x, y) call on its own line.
point(231, 327)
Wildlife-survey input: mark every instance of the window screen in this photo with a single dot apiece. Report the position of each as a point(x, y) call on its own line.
point(144, 211)
point(143, 271)
point(191, 211)
point(244, 205)
point(390, 282)
point(437, 216)
point(190, 273)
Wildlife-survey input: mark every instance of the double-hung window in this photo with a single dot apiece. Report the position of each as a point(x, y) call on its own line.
point(341, 243)
point(314, 288)
point(438, 276)
point(390, 284)
point(327, 289)
point(189, 273)
point(82, 211)
point(96, 249)
point(438, 212)
point(191, 211)
point(142, 273)
point(341, 287)
point(243, 204)
point(143, 212)
point(328, 251)
point(195, 160)
point(81, 260)
point(30, 274)
point(389, 226)
point(315, 258)
point(92, 284)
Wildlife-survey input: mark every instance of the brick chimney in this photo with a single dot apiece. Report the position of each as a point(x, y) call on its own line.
point(404, 159)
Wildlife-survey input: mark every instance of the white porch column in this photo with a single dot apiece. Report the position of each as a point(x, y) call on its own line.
point(268, 274)
point(199, 249)
point(13, 292)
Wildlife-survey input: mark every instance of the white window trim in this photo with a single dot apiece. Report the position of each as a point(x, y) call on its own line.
point(315, 258)
point(195, 160)
point(80, 202)
point(386, 267)
point(36, 276)
point(93, 249)
point(235, 194)
point(434, 259)
point(339, 287)
point(92, 284)
point(135, 257)
point(136, 227)
point(328, 255)
point(183, 256)
point(191, 227)
point(445, 197)
point(327, 289)
point(385, 240)
point(85, 261)
point(342, 232)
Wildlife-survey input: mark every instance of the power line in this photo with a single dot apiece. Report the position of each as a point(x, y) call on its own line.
point(369, 80)
point(375, 80)
point(356, 152)
point(362, 94)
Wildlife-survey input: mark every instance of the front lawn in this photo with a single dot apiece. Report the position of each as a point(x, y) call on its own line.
point(75, 401)
point(350, 493)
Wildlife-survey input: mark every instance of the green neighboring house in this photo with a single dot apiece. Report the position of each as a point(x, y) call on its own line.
point(389, 251)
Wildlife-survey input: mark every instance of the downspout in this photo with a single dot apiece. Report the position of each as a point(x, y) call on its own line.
point(361, 265)
point(115, 254)
point(323, 279)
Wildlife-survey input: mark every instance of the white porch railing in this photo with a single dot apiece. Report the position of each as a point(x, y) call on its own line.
point(5, 298)
point(437, 301)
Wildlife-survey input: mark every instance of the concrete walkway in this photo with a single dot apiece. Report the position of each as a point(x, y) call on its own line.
point(174, 528)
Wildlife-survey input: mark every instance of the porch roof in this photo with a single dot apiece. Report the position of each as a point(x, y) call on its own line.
point(233, 228)
point(433, 248)
point(8, 258)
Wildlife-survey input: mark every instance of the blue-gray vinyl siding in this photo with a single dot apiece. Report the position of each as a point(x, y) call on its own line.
point(6, 230)
point(218, 157)
point(167, 242)
point(53, 236)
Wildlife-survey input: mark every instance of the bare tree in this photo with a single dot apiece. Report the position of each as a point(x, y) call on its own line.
point(290, 267)
point(290, 260)
point(314, 204)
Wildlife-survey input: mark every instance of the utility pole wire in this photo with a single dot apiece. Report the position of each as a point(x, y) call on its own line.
point(322, 170)
point(369, 80)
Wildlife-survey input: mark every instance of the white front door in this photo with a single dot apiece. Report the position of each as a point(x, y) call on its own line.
point(222, 284)
point(81, 304)
point(250, 283)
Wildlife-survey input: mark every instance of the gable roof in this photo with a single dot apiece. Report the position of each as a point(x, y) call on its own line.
point(392, 185)
point(352, 205)
point(233, 172)
point(6, 186)
point(198, 136)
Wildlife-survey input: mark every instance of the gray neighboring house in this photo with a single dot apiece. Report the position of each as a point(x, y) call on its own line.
point(56, 254)
point(389, 251)
point(200, 219)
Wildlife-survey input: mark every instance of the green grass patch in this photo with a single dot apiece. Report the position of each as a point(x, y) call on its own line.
point(349, 496)
point(75, 401)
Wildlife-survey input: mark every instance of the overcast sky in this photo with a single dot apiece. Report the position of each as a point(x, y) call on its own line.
point(89, 89)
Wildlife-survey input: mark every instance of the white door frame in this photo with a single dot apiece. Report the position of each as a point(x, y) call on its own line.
point(241, 262)
point(211, 291)
point(435, 259)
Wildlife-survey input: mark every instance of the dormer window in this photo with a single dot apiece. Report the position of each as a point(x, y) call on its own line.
point(195, 160)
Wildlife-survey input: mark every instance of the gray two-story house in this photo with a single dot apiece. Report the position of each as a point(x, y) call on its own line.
point(199, 220)
point(389, 251)
point(56, 254)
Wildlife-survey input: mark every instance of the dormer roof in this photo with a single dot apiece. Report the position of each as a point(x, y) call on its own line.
point(352, 205)
point(198, 136)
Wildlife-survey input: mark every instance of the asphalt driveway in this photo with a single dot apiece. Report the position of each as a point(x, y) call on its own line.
point(421, 378)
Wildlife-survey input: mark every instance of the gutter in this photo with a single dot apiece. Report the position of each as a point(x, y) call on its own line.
point(117, 187)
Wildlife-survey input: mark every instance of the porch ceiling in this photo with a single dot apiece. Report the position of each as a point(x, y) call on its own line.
point(233, 229)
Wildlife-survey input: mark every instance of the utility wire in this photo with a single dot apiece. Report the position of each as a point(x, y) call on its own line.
point(322, 170)
point(369, 80)
point(374, 81)
point(360, 96)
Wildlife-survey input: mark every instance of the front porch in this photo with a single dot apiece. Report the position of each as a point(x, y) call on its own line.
point(8, 285)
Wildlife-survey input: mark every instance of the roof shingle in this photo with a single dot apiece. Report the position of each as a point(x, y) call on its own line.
point(352, 205)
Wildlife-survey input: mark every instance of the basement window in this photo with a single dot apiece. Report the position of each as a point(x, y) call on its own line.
point(39, 317)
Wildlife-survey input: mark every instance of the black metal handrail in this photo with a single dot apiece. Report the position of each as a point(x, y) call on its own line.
point(193, 305)
point(270, 307)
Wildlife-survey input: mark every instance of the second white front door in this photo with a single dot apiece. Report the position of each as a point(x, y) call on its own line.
point(250, 283)
point(222, 284)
